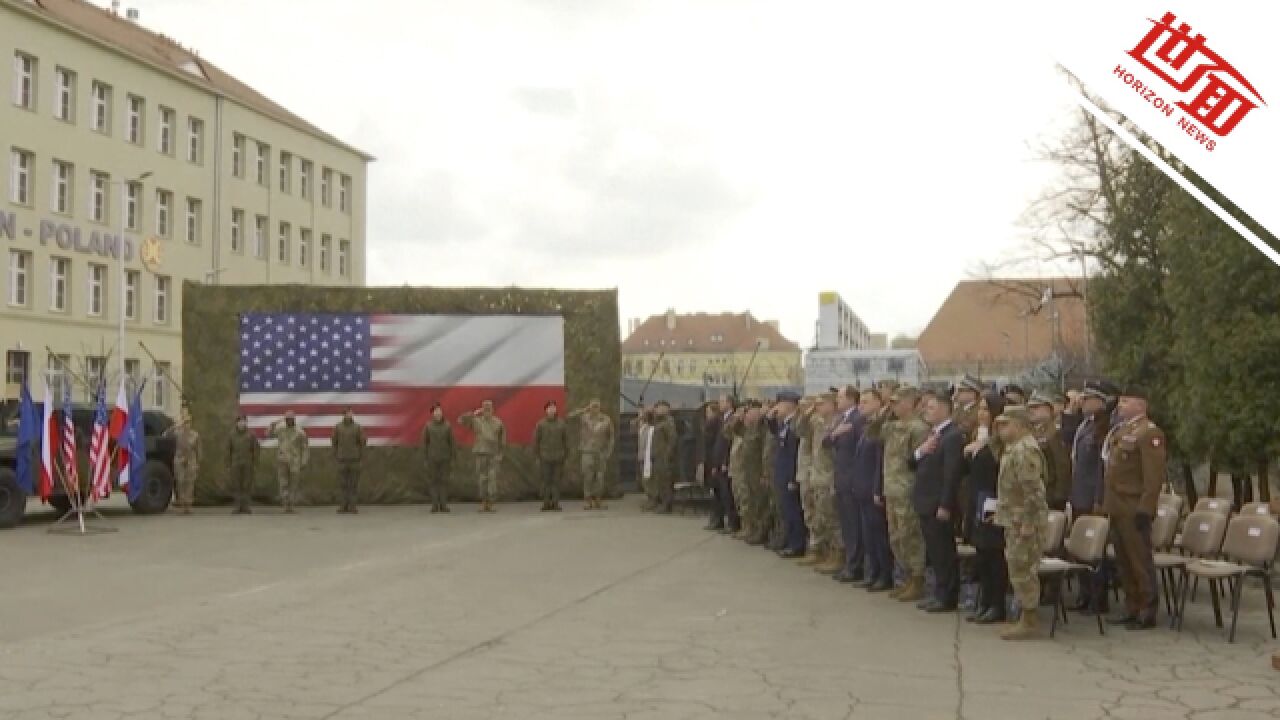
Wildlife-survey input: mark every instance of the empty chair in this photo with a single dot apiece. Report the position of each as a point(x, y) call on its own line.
point(1256, 508)
point(1085, 549)
point(1163, 530)
point(1250, 547)
point(1057, 528)
point(1201, 539)
point(1218, 505)
point(1172, 500)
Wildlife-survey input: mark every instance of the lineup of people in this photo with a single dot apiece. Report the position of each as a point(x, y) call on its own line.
point(878, 487)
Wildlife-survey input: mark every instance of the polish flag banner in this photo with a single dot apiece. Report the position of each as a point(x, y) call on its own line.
point(48, 438)
point(118, 423)
point(391, 369)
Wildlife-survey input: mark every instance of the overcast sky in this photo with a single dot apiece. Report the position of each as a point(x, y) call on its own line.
point(713, 155)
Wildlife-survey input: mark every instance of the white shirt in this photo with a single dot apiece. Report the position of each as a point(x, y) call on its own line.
point(937, 432)
point(646, 448)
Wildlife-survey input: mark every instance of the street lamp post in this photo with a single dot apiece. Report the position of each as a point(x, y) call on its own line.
point(120, 278)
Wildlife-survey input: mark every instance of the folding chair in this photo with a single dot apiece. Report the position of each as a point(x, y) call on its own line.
point(1218, 505)
point(1085, 549)
point(1256, 508)
point(1250, 548)
point(1057, 528)
point(1163, 530)
point(1201, 540)
point(1173, 500)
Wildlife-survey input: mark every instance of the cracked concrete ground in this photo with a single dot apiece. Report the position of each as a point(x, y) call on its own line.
point(396, 613)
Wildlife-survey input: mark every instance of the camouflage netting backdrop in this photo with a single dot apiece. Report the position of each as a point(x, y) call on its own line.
point(210, 360)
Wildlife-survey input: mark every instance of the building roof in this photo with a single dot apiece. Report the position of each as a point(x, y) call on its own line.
point(1004, 320)
point(134, 40)
point(705, 333)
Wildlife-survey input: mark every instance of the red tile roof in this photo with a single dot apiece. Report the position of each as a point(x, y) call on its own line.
point(736, 332)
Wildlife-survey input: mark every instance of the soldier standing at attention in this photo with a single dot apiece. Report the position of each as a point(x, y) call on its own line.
point(665, 444)
point(965, 415)
point(1134, 456)
point(903, 433)
point(550, 449)
point(1045, 428)
point(348, 443)
point(293, 450)
point(741, 491)
point(437, 451)
point(822, 479)
point(186, 460)
point(596, 443)
point(804, 462)
point(1021, 510)
point(242, 459)
point(490, 440)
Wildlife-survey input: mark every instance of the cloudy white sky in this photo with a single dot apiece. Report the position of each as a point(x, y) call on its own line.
point(715, 155)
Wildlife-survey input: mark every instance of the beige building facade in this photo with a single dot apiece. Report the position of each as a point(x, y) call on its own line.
point(106, 128)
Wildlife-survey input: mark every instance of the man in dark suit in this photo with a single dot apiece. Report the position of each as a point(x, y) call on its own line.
point(715, 469)
point(939, 466)
point(795, 533)
point(845, 432)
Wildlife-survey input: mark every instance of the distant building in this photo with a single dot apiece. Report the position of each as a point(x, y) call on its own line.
point(1007, 328)
point(839, 327)
point(825, 369)
point(711, 351)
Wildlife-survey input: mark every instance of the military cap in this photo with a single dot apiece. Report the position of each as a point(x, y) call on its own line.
point(1040, 398)
point(788, 396)
point(904, 391)
point(1133, 391)
point(1015, 413)
point(1093, 389)
point(969, 382)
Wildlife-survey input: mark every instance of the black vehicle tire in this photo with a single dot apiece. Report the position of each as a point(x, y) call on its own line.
point(157, 489)
point(61, 503)
point(13, 502)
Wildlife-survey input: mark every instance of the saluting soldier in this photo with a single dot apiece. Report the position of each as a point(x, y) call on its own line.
point(348, 441)
point(293, 451)
point(902, 434)
point(965, 413)
point(665, 447)
point(595, 440)
point(1135, 461)
point(490, 440)
point(1044, 428)
point(550, 448)
point(822, 481)
point(242, 461)
point(804, 463)
point(437, 455)
point(186, 460)
point(1022, 511)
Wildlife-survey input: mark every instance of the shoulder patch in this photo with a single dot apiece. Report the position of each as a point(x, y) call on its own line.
point(1156, 441)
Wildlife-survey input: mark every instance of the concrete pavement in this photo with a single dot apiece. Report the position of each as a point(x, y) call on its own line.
point(396, 613)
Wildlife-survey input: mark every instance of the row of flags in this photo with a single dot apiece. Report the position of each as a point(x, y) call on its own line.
point(121, 425)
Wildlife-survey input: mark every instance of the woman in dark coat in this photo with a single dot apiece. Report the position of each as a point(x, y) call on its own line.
point(1086, 483)
point(985, 536)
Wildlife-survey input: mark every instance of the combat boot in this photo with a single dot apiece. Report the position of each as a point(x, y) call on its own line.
point(815, 556)
point(913, 591)
point(896, 591)
point(833, 564)
point(1027, 628)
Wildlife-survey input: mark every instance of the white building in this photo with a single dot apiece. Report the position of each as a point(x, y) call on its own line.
point(839, 327)
point(825, 369)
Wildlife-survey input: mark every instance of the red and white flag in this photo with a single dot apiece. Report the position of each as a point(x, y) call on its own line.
point(118, 425)
point(48, 436)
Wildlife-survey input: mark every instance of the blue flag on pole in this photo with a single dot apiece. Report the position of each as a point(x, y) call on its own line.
point(136, 443)
point(28, 438)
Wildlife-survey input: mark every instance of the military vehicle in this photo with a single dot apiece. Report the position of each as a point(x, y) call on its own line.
point(157, 472)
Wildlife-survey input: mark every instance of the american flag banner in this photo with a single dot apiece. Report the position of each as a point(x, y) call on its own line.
point(70, 469)
point(390, 369)
point(100, 451)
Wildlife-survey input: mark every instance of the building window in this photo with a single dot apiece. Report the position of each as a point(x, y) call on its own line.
point(95, 370)
point(63, 173)
point(195, 140)
point(132, 370)
point(237, 155)
point(237, 230)
point(282, 244)
point(344, 250)
point(101, 107)
point(326, 182)
point(24, 81)
point(263, 150)
point(99, 183)
point(133, 205)
point(17, 366)
point(286, 172)
point(19, 272)
point(160, 388)
point(21, 171)
point(304, 247)
point(260, 236)
point(161, 316)
point(137, 111)
point(344, 194)
point(164, 211)
point(167, 119)
point(60, 377)
point(59, 279)
point(304, 179)
point(325, 242)
point(65, 107)
point(97, 289)
point(132, 278)
point(193, 221)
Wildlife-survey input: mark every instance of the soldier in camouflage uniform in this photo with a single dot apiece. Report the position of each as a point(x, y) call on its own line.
point(595, 441)
point(666, 446)
point(348, 442)
point(902, 433)
point(550, 449)
point(746, 467)
point(242, 461)
point(437, 450)
point(293, 450)
point(490, 441)
point(186, 461)
point(771, 519)
point(804, 462)
point(822, 478)
point(1044, 428)
point(1023, 513)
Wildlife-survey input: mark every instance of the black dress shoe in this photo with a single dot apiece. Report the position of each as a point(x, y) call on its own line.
point(926, 604)
point(711, 527)
point(1125, 619)
point(844, 576)
point(938, 608)
point(726, 531)
point(973, 616)
point(990, 617)
point(790, 553)
point(861, 583)
point(880, 586)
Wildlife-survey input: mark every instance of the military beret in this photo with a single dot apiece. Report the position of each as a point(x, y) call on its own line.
point(1016, 413)
point(1011, 388)
point(969, 382)
point(905, 391)
point(788, 396)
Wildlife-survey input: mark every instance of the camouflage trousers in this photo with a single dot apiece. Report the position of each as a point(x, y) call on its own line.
point(746, 497)
point(804, 477)
point(487, 476)
point(287, 478)
point(185, 471)
point(821, 518)
point(593, 475)
point(905, 536)
point(767, 509)
point(1022, 554)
